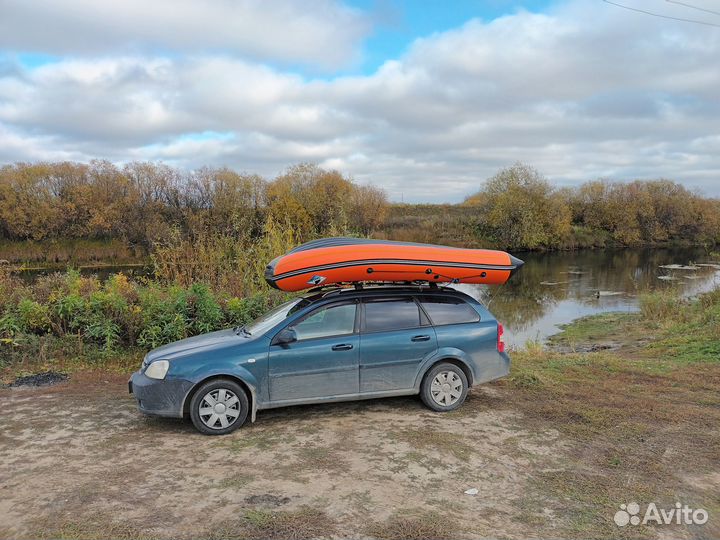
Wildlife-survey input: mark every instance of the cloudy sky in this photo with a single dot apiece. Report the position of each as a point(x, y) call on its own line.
point(424, 98)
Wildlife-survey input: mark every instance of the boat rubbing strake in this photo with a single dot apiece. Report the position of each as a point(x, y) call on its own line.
point(347, 260)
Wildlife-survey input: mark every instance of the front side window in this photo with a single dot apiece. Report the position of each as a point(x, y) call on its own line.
point(265, 322)
point(391, 314)
point(329, 321)
point(448, 310)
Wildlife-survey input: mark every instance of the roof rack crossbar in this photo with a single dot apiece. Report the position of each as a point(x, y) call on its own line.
point(364, 285)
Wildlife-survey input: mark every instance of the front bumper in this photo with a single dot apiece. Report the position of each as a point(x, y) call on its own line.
point(159, 397)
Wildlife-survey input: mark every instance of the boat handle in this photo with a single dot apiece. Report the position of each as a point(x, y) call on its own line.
point(342, 347)
point(420, 338)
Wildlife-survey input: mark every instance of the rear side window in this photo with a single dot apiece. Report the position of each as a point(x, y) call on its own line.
point(391, 314)
point(448, 310)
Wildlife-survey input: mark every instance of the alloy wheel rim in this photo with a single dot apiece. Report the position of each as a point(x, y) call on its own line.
point(446, 388)
point(219, 408)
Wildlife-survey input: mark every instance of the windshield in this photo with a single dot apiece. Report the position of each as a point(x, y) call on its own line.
point(265, 322)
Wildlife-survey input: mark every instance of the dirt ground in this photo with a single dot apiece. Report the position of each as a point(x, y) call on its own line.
point(78, 461)
point(77, 455)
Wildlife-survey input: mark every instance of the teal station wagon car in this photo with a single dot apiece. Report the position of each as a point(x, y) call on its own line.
point(329, 345)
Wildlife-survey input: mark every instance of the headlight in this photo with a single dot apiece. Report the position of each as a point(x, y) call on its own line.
point(158, 369)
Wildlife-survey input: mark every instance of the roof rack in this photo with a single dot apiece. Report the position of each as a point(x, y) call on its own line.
point(370, 285)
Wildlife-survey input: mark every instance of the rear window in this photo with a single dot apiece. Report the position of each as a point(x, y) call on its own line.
point(448, 310)
point(391, 314)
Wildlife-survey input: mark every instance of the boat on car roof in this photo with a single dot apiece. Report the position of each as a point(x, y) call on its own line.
point(354, 260)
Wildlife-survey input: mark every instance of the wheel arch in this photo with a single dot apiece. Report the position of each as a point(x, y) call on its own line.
point(247, 387)
point(446, 360)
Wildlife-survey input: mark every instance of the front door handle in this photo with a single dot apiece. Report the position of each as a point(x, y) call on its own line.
point(420, 338)
point(342, 347)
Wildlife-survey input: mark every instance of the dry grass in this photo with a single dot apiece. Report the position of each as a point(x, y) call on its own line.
point(435, 440)
point(301, 524)
point(415, 525)
point(661, 305)
point(87, 527)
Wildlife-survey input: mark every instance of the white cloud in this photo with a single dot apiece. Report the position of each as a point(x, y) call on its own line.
point(323, 33)
point(584, 91)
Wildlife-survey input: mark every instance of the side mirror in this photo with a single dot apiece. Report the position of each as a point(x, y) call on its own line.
point(286, 335)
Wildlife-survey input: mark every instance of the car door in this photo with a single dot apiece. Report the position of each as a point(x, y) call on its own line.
point(395, 338)
point(323, 362)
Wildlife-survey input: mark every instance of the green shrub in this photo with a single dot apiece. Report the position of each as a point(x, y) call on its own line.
point(33, 317)
point(123, 313)
point(10, 325)
point(243, 310)
point(70, 310)
point(204, 313)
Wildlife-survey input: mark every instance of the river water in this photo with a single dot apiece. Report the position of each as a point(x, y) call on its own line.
point(552, 289)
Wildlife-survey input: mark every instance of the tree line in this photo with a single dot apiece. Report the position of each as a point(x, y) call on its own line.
point(149, 203)
point(518, 208)
point(521, 208)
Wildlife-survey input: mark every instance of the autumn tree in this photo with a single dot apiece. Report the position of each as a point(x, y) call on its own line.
point(367, 208)
point(314, 199)
point(518, 208)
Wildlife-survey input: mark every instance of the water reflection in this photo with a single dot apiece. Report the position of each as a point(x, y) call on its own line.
point(555, 288)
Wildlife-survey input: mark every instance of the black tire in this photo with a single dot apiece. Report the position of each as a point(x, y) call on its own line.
point(216, 387)
point(453, 375)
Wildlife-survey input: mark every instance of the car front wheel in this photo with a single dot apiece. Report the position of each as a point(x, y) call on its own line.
point(219, 407)
point(444, 387)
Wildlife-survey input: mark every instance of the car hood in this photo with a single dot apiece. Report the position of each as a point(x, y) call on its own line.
point(213, 340)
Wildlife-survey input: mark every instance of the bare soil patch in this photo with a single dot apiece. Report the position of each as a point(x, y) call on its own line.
point(79, 461)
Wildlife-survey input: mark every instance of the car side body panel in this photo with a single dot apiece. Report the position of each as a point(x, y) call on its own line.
point(391, 360)
point(313, 368)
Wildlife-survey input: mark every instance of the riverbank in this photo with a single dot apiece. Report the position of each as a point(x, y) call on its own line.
point(450, 225)
point(554, 449)
point(60, 253)
point(641, 409)
point(461, 225)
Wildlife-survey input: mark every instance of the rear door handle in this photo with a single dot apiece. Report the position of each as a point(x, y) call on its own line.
point(420, 338)
point(342, 347)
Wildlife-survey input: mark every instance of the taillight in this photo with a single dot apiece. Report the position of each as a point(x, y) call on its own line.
point(500, 343)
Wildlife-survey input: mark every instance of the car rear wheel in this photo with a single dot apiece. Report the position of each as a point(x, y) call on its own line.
point(219, 407)
point(444, 387)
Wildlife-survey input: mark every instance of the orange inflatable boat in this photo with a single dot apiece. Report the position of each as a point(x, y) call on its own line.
point(353, 260)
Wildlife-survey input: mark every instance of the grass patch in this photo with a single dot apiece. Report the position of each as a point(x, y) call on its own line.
point(415, 525)
point(92, 527)
point(639, 419)
point(236, 481)
point(318, 458)
point(605, 326)
point(660, 305)
point(260, 438)
point(439, 441)
point(301, 524)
